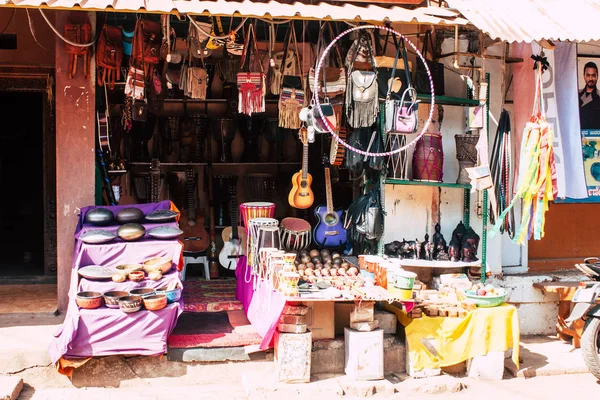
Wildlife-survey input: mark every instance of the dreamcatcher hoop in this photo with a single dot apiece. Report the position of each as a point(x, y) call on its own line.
point(327, 124)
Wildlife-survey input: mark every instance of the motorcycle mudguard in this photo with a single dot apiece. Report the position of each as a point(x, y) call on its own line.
point(594, 311)
point(578, 311)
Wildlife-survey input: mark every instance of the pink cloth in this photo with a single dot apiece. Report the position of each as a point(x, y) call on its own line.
point(104, 331)
point(263, 307)
point(524, 93)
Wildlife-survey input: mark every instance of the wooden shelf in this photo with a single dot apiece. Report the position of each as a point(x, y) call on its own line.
point(437, 264)
point(147, 164)
point(392, 181)
point(257, 164)
point(175, 101)
point(448, 101)
point(117, 172)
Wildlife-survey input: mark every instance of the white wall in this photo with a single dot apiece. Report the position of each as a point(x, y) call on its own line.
point(409, 208)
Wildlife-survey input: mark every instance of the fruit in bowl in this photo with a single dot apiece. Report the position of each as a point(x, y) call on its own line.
point(486, 295)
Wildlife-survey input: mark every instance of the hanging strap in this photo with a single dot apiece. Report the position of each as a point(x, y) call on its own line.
point(246, 52)
point(290, 36)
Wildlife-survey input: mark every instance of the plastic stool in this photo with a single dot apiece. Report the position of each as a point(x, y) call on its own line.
point(195, 257)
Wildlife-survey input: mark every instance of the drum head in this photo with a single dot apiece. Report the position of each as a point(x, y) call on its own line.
point(261, 221)
point(258, 204)
point(295, 224)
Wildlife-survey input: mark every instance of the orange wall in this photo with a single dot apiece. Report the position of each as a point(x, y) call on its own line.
point(28, 51)
point(571, 235)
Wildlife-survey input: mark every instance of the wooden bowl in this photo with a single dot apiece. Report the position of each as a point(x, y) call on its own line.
point(130, 304)
point(111, 299)
point(89, 300)
point(136, 276)
point(162, 264)
point(155, 302)
point(127, 268)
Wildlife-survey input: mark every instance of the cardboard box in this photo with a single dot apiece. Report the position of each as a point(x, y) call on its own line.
point(342, 316)
point(320, 319)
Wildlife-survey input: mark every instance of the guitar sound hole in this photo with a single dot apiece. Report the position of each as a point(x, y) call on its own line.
point(303, 185)
point(331, 219)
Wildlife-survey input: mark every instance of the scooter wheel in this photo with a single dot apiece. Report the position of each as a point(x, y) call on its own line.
point(590, 346)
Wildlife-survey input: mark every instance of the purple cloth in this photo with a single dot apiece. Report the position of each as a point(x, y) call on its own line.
point(263, 307)
point(104, 331)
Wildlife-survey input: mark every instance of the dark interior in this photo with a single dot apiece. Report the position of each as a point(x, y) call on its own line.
point(21, 184)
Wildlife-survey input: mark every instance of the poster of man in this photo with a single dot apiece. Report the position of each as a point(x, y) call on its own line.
point(589, 95)
point(589, 117)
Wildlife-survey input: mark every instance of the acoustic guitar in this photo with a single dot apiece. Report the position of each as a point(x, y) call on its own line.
point(329, 232)
point(234, 236)
point(194, 236)
point(301, 196)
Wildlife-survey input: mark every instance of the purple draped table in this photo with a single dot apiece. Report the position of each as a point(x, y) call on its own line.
point(263, 307)
point(104, 331)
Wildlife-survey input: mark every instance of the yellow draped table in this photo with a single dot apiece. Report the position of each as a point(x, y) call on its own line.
point(435, 342)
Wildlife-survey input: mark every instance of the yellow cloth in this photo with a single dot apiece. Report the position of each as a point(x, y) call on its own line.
point(455, 340)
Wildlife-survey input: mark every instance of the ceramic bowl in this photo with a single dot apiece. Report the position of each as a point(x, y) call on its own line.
point(111, 299)
point(89, 300)
point(172, 295)
point(129, 214)
point(129, 232)
point(155, 302)
point(144, 292)
point(97, 236)
point(161, 216)
point(99, 216)
point(130, 304)
point(162, 264)
point(127, 268)
point(136, 276)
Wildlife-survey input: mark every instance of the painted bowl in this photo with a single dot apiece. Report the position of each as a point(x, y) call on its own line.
point(164, 232)
point(129, 232)
point(99, 216)
point(127, 268)
point(144, 292)
point(155, 302)
point(488, 301)
point(89, 300)
point(162, 264)
point(111, 299)
point(172, 295)
point(161, 216)
point(136, 276)
point(130, 304)
point(129, 214)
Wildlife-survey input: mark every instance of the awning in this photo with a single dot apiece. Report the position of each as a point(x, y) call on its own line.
point(263, 9)
point(529, 20)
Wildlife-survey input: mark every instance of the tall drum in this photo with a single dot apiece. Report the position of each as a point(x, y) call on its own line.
point(256, 209)
point(428, 158)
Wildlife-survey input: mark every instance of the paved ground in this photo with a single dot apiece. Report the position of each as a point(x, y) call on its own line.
point(539, 388)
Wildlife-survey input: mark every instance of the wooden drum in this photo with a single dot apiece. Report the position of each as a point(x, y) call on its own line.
point(256, 209)
point(295, 234)
point(252, 238)
point(428, 158)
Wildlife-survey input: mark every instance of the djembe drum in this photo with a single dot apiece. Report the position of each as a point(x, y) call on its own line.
point(252, 239)
point(428, 158)
point(295, 234)
point(256, 209)
point(466, 154)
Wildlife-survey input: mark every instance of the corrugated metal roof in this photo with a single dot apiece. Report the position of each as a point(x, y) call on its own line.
point(529, 20)
point(274, 9)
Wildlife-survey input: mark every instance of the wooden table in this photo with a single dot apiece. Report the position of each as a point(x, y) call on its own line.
point(565, 291)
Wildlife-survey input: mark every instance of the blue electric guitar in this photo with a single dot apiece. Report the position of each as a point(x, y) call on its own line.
point(330, 231)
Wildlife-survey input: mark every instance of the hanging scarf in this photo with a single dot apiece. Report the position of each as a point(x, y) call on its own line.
point(536, 185)
point(501, 166)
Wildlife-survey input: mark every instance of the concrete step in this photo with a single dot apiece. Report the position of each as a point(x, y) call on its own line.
point(10, 387)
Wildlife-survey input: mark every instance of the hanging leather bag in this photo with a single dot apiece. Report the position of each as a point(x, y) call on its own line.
point(79, 30)
point(109, 56)
point(251, 85)
point(333, 78)
point(147, 42)
point(292, 96)
point(401, 116)
point(436, 69)
point(362, 104)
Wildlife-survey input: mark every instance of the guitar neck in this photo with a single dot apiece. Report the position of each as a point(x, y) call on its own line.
point(328, 191)
point(234, 215)
point(191, 188)
point(155, 181)
point(304, 160)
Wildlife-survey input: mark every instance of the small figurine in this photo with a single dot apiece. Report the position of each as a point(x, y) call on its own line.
point(459, 232)
point(437, 236)
point(470, 244)
point(417, 249)
point(391, 249)
point(427, 247)
point(441, 252)
point(454, 249)
point(424, 247)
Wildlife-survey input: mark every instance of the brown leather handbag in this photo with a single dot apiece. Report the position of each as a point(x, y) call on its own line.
point(147, 42)
point(79, 30)
point(109, 55)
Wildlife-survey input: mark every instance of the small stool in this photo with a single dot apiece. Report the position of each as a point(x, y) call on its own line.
point(193, 257)
point(566, 291)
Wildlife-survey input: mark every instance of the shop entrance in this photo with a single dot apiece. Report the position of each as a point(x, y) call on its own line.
point(21, 184)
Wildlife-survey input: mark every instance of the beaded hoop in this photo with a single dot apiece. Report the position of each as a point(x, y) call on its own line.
point(326, 123)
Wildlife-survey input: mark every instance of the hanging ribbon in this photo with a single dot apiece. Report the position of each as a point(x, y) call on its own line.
point(501, 174)
point(537, 173)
